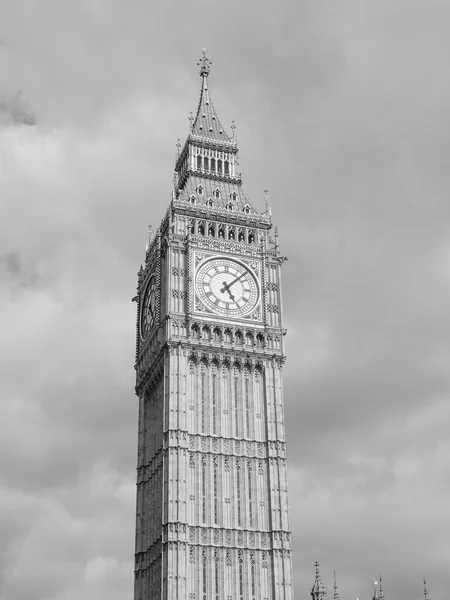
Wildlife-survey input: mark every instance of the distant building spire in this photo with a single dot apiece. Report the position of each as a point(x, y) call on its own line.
point(336, 593)
point(318, 590)
point(375, 590)
point(425, 593)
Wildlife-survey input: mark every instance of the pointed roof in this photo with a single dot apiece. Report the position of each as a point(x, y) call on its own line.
point(318, 590)
point(206, 123)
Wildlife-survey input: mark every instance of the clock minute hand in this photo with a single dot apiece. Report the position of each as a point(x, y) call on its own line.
point(226, 286)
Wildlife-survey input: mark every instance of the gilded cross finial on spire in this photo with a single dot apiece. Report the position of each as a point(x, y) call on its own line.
point(205, 64)
point(425, 593)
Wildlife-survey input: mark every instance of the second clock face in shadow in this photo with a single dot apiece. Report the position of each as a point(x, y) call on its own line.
point(148, 311)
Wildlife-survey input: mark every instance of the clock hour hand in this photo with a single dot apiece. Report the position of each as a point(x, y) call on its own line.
point(226, 288)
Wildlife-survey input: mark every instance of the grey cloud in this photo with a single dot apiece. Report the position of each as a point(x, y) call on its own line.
point(342, 113)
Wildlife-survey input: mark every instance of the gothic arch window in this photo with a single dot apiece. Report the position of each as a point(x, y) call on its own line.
point(199, 162)
point(250, 494)
point(191, 226)
point(203, 395)
point(252, 573)
point(236, 406)
point(219, 166)
point(213, 164)
point(221, 233)
point(205, 571)
point(205, 333)
point(217, 334)
point(226, 166)
point(201, 228)
point(249, 339)
point(214, 403)
point(251, 237)
point(238, 491)
point(247, 404)
point(241, 236)
point(204, 490)
point(206, 163)
point(231, 233)
point(215, 493)
point(200, 189)
point(216, 572)
point(238, 337)
point(228, 336)
point(209, 202)
point(211, 230)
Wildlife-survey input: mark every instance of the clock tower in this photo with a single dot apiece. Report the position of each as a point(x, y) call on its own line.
point(212, 516)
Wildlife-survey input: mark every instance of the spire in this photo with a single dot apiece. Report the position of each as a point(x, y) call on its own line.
point(206, 123)
point(425, 593)
point(205, 64)
point(318, 590)
point(336, 593)
point(381, 588)
point(375, 590)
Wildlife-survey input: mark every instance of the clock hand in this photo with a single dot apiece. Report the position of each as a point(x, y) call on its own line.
point(226, 289)
point(226, 286)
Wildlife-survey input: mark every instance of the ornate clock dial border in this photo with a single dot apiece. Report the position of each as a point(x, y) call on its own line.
point(227, 287)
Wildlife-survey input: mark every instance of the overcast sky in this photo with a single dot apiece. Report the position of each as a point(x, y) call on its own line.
point(342, 112)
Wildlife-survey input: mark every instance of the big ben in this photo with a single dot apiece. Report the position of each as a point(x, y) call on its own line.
point(212, 518)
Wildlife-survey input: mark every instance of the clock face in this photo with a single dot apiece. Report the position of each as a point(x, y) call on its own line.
point(227, 287)
point(148, 310)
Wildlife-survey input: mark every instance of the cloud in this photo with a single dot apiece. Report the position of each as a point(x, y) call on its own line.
point(342, 113)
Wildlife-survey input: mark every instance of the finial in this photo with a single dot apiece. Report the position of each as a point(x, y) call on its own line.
point(336, 593)
point(425, 593)
point(205, 64)
point(191, 119)
point(233, 127)
point(266, 198)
